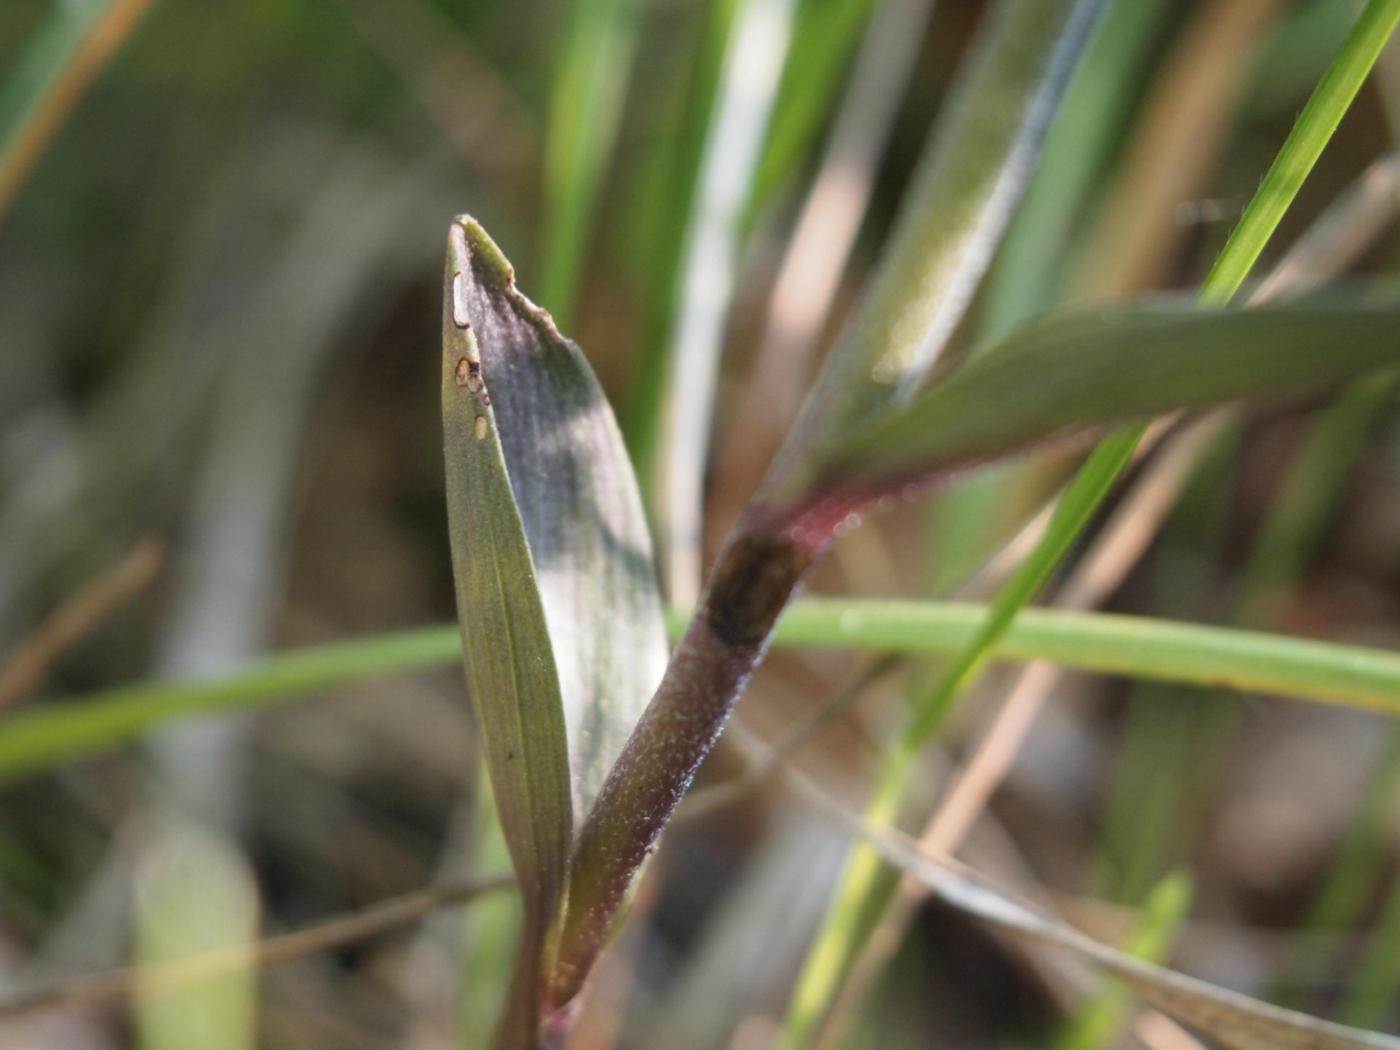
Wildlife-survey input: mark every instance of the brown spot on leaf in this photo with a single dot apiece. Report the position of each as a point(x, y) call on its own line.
point(468, 374)
point(474, 381)
point(480, 427)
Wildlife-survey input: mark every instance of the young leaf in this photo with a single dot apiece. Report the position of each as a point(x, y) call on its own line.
point(1081, 372)
point(560, 615)
point(969, 182)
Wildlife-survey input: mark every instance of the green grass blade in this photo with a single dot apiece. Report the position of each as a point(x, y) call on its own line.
point(1312, 131)
point(1099, 1023)
point(824, 38)
point(45, 737)
point(590, 85)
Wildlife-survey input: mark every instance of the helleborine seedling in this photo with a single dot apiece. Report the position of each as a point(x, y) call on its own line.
point(557, 598)
point(560, 613)
point(559, 609)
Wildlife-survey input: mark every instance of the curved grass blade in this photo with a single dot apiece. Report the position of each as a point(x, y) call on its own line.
point(1235, 1020)
point(560, 615)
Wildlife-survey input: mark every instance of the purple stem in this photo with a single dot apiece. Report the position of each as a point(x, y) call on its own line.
point(752, 582)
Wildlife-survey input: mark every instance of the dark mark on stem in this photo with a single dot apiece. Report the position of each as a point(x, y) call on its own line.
point(751, 587)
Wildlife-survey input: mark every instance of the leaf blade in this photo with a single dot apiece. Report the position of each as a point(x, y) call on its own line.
point(971, 176)
point(509, 660)
point(560, 615)
point(1115, 365)
point(583, 520)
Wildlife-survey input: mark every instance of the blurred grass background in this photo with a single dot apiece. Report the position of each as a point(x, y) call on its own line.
point(218, 288)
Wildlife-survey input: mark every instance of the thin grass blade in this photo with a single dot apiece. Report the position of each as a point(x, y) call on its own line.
point(590, 85)
point(1235, 1020)
point(67, 729)
point(1099, 1024)
point(824, 38)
